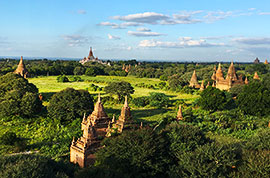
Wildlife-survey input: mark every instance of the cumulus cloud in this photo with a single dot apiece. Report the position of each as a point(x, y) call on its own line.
point(264, 13)
point(144, 34)
point(184, 42)
point(112, 37)
point(146, 17)
point(143, 29)
point(253, 41)
point(75, 40)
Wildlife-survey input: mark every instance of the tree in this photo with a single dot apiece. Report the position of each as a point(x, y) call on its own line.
point(139, 153)
point(158, 100)
point(18, 96)
point(79, 70)
point(214, 99)
point(69, 104)
point(33, 166)
point(121, 89)
point(254, 99)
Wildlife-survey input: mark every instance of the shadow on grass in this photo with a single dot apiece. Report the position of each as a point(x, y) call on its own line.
point(137, 115)
point(47, 95)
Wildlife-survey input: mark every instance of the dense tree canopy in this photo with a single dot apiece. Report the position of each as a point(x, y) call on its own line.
point(254, 99)
point(121, 89)
point(18, 96)
point(69, 104)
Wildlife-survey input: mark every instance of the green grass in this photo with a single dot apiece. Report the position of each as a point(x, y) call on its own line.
point(50, 84)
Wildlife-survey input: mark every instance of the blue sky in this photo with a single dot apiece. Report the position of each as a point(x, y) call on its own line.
point(172, 30)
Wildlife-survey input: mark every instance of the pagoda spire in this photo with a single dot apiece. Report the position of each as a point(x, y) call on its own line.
point(21, 70)
point(246, 80)
point(194, 81)
point(90, 52)
point(124, 116)
point(219, 73)
point(202, 86)
point(231, 73)
point(179, 113)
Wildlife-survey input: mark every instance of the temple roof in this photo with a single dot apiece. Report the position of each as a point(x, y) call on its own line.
point(231, 73)
point(202, 86)
point(266, 62)
point(219, 73)
point(194, 81)
point(90, 53)
point(99, 109)
point(21, 70)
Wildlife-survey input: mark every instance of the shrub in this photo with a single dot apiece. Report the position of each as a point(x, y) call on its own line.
point(9, 138)
point(260, 141)
point(62, 79)
point(158, 100)
point(141, 101)
point(75, 79)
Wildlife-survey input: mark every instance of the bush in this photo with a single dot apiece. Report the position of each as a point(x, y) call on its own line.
point(158, 100)
point(69, 104)
point(18, 96)
point(209, 160)
point(260, 141)
point(141, 101)
point(9, 138)
point(62, 79)
point(33, 166)
point(75, 79)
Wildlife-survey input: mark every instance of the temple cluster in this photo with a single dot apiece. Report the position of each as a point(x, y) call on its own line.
point(219, 81)
point(95, 127)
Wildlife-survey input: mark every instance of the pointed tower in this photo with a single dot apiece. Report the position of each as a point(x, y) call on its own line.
point(219, 73)
point(194, 81)
point(246, 80)
point(266, 62)
point(124, 118)
point(82, 150)
point(256, 76)
point(208, 84)
point(21, 70)
point(202, 86)
point(231, 73)
point(213, 85)
point(99, 118)
point(90, 53)
point(213, 77)
point(179, 113)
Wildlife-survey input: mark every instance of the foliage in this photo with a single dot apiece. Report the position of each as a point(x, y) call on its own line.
point(254, 99)
point(260, 141)
point(69, 104)
point(18, 96)
point(236, 89)
point(184, 138)
point(33, 166)
point(214, 99)
point(137, 153)
point(75, 79)
point(158, 100)
point(141, 101)
point(209, 160)
point(94, 87)
point(62, 79)
point(121, 89)
point(79, 70)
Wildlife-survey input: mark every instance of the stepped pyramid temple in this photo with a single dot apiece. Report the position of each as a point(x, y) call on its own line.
point(194, 81)
point(231, 78)
point(96, 125)
point(21, 70)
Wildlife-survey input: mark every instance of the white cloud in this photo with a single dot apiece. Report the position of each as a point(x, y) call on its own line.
point(143, 29)
point(213, 16)
point(183, 42)
point(253, 41)
point(75, 40)
point(119, 26)
point(144, 34)
point(112, 37)
point(146, 17)
point(264, 13)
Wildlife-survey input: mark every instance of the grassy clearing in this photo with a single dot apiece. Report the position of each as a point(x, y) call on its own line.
point(49, 84)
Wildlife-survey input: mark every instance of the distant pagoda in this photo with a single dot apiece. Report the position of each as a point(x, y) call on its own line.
point(21, 70)
point(230, 81)
point(179, 113)
point(194, 81)
point(256, 76)
point(256, 61)
point(124, 118)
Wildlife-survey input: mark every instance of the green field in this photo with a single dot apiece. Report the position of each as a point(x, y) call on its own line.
point(50, 85)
